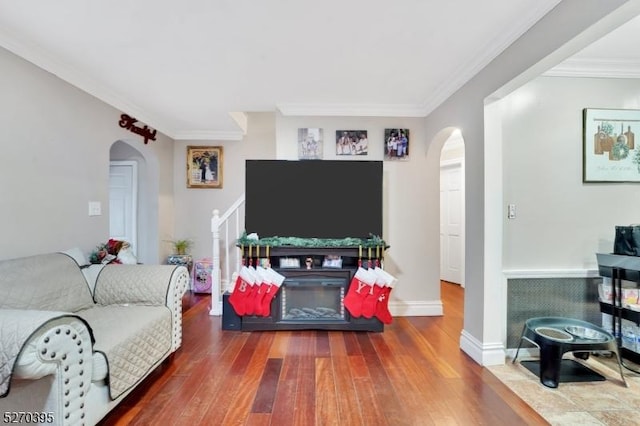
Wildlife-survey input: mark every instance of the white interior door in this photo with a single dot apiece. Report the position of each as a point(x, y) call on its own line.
point(123, 201)
point(452, 222)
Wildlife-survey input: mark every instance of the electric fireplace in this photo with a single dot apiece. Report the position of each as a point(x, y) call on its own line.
point(311, 298)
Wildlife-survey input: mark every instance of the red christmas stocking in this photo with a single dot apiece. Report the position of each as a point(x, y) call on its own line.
point(382, 307)
point(371, 300)
point(358, 290)
point(260, 287)
point(276, 281)
point(241, 291)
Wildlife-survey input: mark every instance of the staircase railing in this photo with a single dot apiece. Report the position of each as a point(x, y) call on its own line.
point(232, 255)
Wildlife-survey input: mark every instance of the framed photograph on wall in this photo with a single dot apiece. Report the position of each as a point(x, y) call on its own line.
point(352, 142)
point(310, 143)
point(396, 144)
point(608, 147)
point(204, 167)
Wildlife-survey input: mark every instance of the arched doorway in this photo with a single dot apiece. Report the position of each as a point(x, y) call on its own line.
point(143, 199)
point(452, 210)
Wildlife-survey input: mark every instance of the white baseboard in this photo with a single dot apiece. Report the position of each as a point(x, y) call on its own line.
point(427, 308)
point(484, 354)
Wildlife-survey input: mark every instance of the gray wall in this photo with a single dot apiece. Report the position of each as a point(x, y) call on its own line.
point(55, 159)
point(566, 29)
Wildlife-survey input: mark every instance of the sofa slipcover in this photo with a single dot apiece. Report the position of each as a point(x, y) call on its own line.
point(76, 338)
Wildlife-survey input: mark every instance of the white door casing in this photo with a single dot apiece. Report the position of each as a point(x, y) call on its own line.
point(452, 221)
point(123, 202)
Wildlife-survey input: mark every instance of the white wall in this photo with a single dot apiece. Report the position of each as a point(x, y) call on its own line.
point(561, 222)
point(406, 207)
point(55, 159)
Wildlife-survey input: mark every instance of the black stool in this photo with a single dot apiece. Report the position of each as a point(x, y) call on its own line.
point(556, 335)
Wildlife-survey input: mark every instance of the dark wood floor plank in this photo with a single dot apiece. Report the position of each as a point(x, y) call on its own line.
point(247, 384)
point(413, 373)
point(263, 402)
point(285, 397)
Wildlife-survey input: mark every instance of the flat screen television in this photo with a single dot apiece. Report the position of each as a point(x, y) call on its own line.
point(313, 199)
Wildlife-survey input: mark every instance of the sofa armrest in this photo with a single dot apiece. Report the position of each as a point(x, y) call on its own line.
point(145, 285)
point(42, 343)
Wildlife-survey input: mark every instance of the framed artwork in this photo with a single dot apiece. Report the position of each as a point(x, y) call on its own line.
point(396, 144)
point(352, 142)
point(310, 144)
point(204, 167)
point(608, 147)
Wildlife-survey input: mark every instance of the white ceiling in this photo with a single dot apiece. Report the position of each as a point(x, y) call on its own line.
point(183, 67)
point(615, 55)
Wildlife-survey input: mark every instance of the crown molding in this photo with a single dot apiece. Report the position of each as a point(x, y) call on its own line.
point(351, 110)
point(484, 57)
point(598, 68)
point(214, 135)
point(241, 119)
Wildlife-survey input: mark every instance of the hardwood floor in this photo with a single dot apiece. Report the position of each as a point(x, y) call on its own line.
point(413, 373)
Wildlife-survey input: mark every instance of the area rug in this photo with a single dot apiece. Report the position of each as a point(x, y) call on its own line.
point(607, 402)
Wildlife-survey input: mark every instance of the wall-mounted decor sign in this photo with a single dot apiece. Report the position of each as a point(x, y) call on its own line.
point(351, 142)
point(204, 167)
point(396, 145)
point(309, 143)
point(128, 122)
point(609, 150)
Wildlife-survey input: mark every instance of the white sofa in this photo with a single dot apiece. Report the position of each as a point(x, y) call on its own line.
point(75, 339)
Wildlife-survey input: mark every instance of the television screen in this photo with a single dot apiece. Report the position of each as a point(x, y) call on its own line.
point(313, 199)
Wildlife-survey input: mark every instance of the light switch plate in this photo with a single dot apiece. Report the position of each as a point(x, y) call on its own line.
point(95, 208)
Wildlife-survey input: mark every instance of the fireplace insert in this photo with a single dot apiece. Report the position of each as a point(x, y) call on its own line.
point(313, 299)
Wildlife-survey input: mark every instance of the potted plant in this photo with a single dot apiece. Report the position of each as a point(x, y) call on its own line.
point(181, 246)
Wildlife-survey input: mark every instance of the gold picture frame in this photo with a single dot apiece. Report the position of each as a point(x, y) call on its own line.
point(204, 167)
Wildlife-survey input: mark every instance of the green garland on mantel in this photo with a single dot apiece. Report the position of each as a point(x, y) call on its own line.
point(372, 241)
